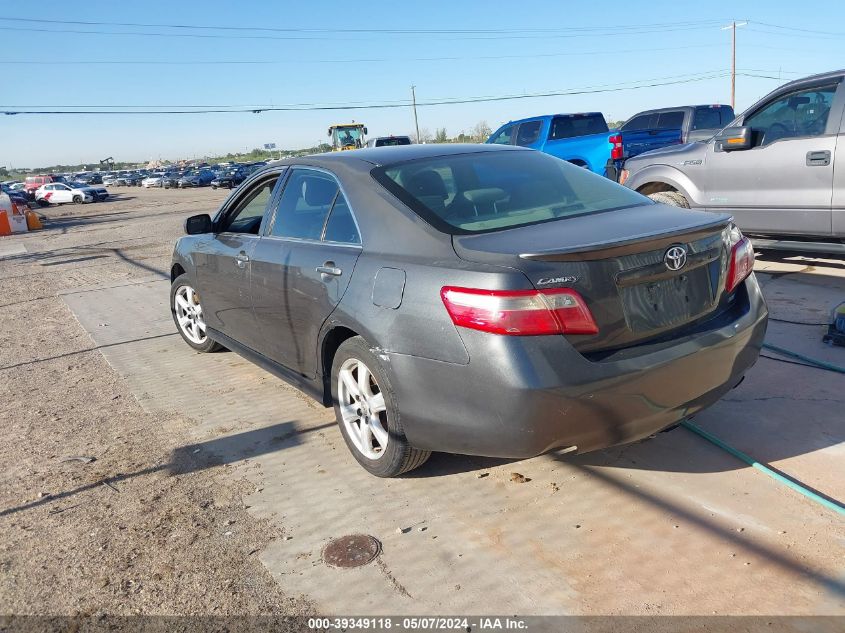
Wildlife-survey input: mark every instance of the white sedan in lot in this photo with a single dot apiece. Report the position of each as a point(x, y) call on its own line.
point(59, 193)
point(153, 180)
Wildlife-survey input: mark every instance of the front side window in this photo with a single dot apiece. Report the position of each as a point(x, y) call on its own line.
point(305, 205)
point(797, 114)
point(503, 136)
point(528, 132)
point(246, 214)
point(490, 191)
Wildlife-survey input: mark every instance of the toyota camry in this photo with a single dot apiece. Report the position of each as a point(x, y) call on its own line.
point(473, 299)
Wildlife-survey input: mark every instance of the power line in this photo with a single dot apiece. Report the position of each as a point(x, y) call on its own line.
point(288, 37)
point(795, 28)
point(372, 106)
point(401, 102)
point(657, 25)
point(100, 62)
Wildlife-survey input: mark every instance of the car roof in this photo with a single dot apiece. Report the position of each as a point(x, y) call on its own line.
point(383, 156)
point(682, 107)
point(549, 116)
point(833, 74)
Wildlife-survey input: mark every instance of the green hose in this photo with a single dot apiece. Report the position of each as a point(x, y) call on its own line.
point(827, 503)
point(818, 363)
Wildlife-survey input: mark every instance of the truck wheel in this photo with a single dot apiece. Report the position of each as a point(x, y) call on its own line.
point(672, 198)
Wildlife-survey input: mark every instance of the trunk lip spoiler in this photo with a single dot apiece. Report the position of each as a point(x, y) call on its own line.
point(627, 246)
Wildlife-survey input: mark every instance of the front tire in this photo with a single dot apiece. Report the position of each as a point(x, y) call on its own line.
point(367, 412)
point(672, 198)
point(188, 315)
point(77, 200)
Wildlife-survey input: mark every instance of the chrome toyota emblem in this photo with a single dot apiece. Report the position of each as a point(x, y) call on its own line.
point(675, 258)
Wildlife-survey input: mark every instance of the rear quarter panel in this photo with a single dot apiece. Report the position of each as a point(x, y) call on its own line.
point(593, 150)
point(420, 326)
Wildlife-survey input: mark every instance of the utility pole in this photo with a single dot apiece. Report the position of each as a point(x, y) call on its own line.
point(414, 102)
point(732, 27)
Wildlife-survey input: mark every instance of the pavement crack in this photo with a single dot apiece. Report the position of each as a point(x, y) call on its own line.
point(396, 584)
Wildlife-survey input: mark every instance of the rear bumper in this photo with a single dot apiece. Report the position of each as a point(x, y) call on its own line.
point(523, 396)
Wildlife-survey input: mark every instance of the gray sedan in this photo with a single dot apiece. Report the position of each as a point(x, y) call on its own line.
point(472, 299)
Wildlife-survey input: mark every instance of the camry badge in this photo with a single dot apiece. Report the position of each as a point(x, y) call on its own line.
point(556, 280)
point(675, 258)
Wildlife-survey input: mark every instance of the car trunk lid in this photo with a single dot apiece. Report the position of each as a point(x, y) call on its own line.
point(619, 262)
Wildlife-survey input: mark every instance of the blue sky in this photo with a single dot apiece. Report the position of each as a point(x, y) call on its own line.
point(584, 44)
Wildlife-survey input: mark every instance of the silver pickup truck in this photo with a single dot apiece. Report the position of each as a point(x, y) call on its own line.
point(772, 168)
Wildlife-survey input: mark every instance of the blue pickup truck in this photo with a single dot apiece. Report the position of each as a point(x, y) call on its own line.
point(582, 139)
point(653, 129)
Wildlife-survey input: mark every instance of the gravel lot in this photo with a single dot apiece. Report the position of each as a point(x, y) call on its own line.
point(132, 531)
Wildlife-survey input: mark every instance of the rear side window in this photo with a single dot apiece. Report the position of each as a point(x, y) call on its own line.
point(528, 132)
point(673, 120)
point(503, 136)
point(305, 204)
point(340, 227)
point(570, 126)
point(491, 191)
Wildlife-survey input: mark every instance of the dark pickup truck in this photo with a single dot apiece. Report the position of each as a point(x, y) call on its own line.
point(654, 129)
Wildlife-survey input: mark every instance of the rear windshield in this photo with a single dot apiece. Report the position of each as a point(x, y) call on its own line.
point(712, 117)
point(390, 142)
point(572, 125)
point(492, 191)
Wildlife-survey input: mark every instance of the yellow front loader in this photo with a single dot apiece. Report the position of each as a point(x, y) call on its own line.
point(347, 136)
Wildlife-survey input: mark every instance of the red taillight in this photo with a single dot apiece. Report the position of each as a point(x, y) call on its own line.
point(742, 260)
point(616, 150)
point(519, 312)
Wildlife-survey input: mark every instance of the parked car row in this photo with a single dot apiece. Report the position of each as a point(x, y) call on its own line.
point(584, 139)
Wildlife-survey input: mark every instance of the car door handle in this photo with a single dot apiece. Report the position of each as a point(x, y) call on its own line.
point(329, 269)
point(242, 259)
point(818, 159)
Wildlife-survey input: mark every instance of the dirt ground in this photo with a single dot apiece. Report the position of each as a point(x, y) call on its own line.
point(98, 516)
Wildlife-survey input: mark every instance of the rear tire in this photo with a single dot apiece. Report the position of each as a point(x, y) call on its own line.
point(672, 198)
point(367, 412)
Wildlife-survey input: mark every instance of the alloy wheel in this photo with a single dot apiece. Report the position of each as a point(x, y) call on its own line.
point(189, 314)
point(362, 408)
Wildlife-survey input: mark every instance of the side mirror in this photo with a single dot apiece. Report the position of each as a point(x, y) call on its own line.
point(733, 138)
point(330, 132)
point(199, 224)
point(365, 131)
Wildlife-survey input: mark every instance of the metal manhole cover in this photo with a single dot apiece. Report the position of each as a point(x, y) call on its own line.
point(351, 551)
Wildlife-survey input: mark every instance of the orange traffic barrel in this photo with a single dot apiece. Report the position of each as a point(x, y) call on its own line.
point(32, 221)
point(5, 227)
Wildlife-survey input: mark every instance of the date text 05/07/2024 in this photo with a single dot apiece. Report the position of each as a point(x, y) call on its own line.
point(433, 623)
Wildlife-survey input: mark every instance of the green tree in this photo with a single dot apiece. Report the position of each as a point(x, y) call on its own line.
point(440, 135)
